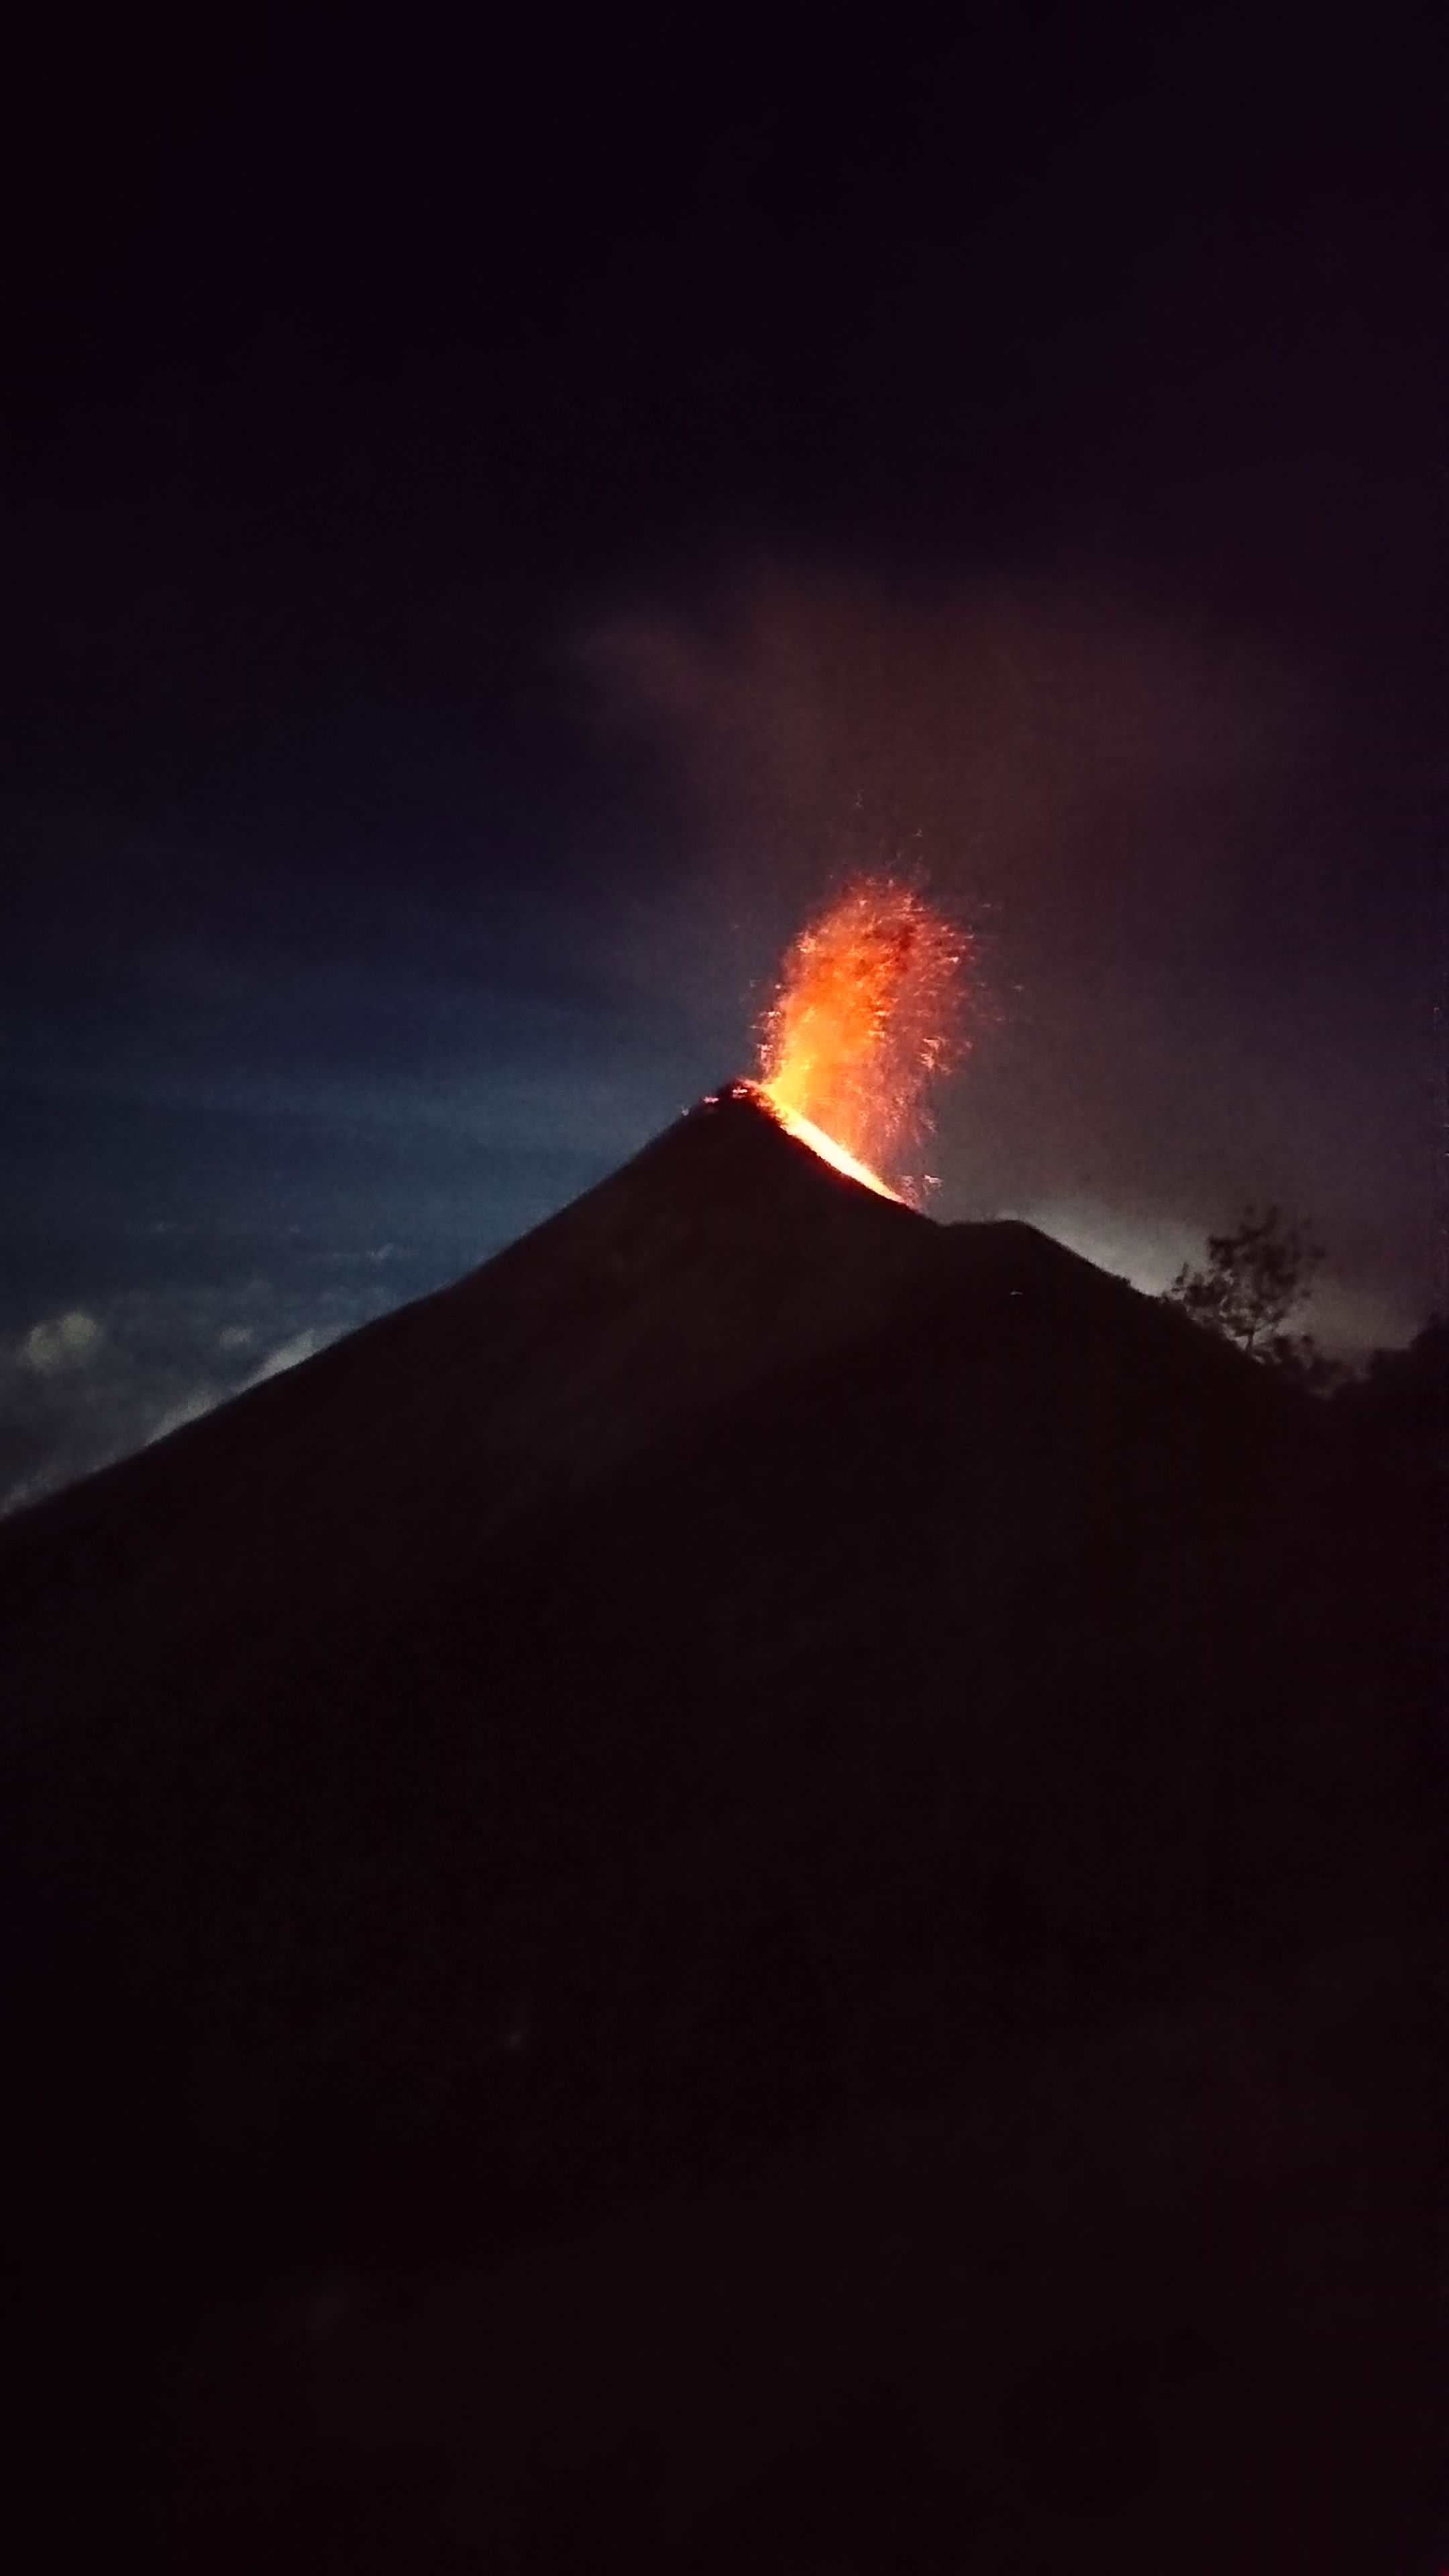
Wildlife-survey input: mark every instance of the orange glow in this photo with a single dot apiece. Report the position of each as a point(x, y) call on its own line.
point(868, 1013)
point(817, 1140)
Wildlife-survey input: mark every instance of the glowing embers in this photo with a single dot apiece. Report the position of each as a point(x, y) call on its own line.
point(870, 1009)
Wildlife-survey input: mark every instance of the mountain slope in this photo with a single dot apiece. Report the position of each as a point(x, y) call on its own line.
point(721, 1662)
point(722, 1253)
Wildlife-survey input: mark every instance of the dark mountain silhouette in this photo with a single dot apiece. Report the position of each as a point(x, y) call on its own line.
point(750, 1683)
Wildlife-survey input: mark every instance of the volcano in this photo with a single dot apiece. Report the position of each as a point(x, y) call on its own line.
point(742, 1668)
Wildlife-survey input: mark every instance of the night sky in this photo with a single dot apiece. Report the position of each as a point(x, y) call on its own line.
point(494, 527)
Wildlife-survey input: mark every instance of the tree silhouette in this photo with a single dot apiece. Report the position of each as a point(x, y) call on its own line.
point(1252, 1281)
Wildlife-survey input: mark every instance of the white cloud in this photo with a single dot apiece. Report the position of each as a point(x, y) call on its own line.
point(86, 1387)
point(302, 1346)
point(190, 1408)
point(1147, 1250)
point(67, 1341)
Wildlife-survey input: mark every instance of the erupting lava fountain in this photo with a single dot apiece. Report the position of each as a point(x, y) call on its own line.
point(870, 1010)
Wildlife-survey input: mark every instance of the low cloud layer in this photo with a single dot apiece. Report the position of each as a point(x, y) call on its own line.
point(78, 1391)
point(60, 1346)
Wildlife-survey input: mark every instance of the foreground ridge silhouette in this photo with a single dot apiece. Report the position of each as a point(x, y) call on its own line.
point(757, 1743)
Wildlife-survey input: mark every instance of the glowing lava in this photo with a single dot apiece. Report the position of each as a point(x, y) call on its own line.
point(869, 1012)
point(817, 1140)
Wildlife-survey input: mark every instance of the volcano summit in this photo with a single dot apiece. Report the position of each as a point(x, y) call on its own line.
point(736, 1670)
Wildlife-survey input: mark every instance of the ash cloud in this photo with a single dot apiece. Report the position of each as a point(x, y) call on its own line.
point(1165, 825)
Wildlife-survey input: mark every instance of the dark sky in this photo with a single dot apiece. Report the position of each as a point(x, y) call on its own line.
point(493, 526)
